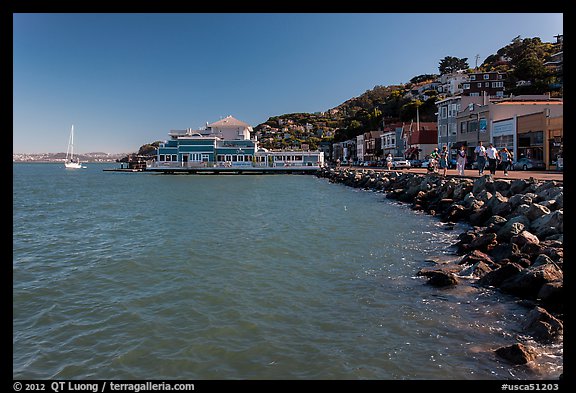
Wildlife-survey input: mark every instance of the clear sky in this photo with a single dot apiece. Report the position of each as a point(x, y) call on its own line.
point(124, 80)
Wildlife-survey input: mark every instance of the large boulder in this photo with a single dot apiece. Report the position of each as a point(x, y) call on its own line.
point(496, 277)
point(518, 186)
point(484, 242)
point(499, 204)
point(502, 186)
point(483, 183)
point(519, 199)
point(542, 325)
point(476, 256)
point(441, 276)
point(509, 230)
point(552, 295)
point(549, 224)
point(517, 353)
point(529, 281)
point(523, 238)
point(536, 211)
point(503, 251)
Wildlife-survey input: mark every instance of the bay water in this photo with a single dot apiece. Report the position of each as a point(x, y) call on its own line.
point(151, 276)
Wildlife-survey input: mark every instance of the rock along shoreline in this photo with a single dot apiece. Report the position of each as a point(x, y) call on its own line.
point(515, 244)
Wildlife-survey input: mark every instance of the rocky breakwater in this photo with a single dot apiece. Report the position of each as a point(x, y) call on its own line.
point(515, 243)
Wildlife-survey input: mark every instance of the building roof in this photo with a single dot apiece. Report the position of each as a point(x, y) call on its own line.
point(229, 121)
point(529, 102)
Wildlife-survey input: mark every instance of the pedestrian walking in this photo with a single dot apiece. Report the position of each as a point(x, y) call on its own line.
point(506, 158)
point(493, 158)
point(444, 159)
point(480, 153)
point(434, 157)
point(389, 161)
point(461, 160)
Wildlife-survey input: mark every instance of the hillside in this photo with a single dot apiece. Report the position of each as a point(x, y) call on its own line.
point(524, 60)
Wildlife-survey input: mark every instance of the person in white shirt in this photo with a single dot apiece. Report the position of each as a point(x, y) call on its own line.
point(480, 153)
point(389, 161)
point(493, 158)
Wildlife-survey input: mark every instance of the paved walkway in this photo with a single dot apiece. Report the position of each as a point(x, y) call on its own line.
point(539, 175)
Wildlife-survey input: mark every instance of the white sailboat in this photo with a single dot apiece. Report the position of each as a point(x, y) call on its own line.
point(69, 162)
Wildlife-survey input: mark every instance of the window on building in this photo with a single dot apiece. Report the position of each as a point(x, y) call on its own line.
point(205, 157)
point(502, 141)
point(466, 86)
point(463, 127)
point(472, 77)
point(486, 76)
point(487, 84)
point(476, 94)
point(479, 84)
point(444, 111)
point(500, 93)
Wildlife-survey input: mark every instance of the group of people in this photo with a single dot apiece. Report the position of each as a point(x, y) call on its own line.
point(481, 154)
point(494, 157)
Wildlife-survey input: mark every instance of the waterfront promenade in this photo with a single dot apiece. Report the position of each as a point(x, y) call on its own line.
point(473, 173)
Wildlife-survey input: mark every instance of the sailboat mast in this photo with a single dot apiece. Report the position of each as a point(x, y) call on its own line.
point(72, 143)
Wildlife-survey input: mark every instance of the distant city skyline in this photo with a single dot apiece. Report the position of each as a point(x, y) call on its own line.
point(125, 80)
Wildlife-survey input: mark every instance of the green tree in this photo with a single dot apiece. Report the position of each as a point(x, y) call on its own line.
point(451, 64)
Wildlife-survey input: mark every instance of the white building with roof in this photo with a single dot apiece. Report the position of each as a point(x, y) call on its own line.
point(229, 128)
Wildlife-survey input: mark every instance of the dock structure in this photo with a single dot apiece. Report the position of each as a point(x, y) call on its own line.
point(234, 170)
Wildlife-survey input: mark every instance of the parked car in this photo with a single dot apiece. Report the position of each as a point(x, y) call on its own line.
point(400, 162)
point(525, 164)
point(416, 163)
point(452, 163)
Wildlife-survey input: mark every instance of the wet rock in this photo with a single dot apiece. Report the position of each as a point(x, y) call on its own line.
point(542, 325)
point(479, 217)
point(517, 353)
point(498, 276)
point(455, 212)
point(442, 279)
point(552, 295)
point(477, 270)
point(529, 281)
point(476, 256)
point(484, 242)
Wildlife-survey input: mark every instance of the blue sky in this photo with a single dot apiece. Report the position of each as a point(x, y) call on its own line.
point(124, 80)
